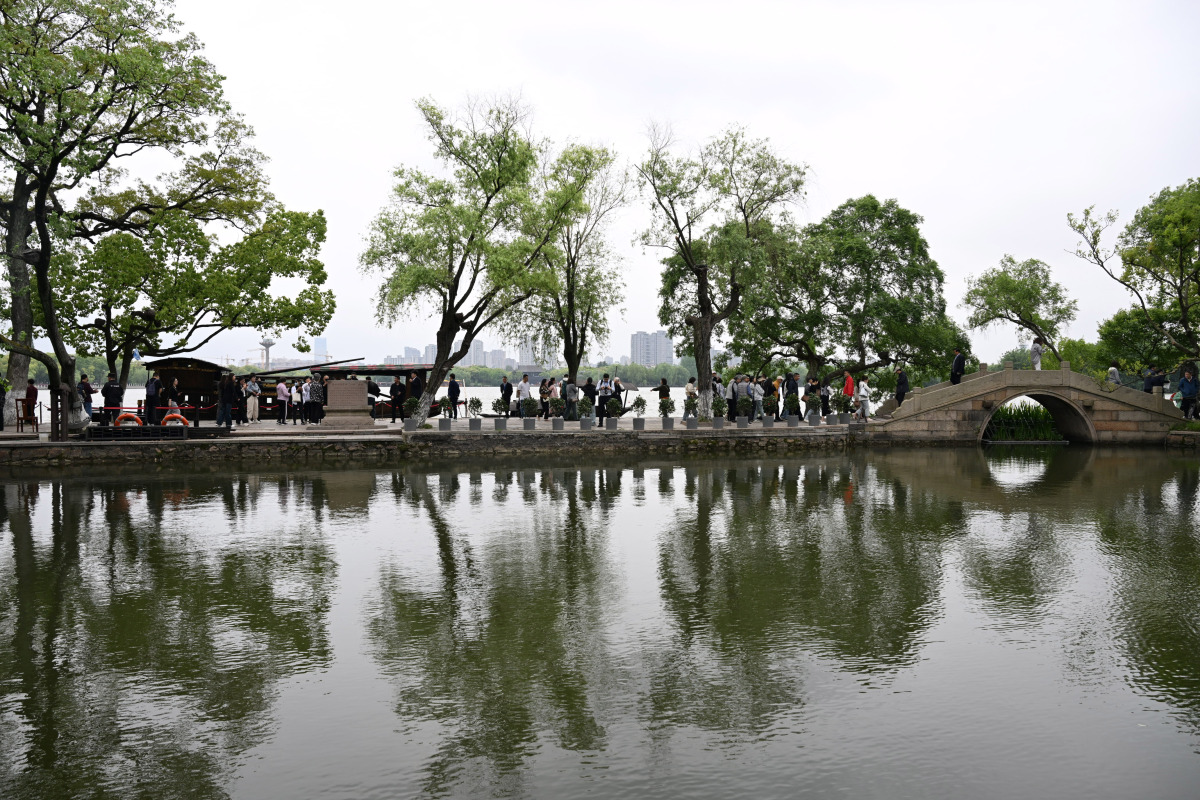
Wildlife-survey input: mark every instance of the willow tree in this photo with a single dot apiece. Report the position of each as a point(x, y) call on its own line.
point(574, 314)
point(473, 241)
point(90, 89)
point(712, 214)
point(1024, 294)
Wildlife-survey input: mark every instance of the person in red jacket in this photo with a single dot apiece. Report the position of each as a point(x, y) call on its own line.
point(848, 387)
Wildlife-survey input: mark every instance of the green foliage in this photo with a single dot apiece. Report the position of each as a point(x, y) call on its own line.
point(857, 291)
point(1023, 294)
point(1021, 358)
point(792, 403)
point(638, 406)
point(719, 405)
point(770, 404)
point(1022, 423)
point(475, 406)
point(613, 406)
point(841, 403)
point(499, 406)
point(1135, 339)
point(410, 406)
point(744, 406)
point(666, 406)
point(691, 405)
point(530, 406)
point(557, 404)
point(585, 406)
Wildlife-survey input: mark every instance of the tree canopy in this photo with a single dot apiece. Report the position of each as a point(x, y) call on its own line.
point(471, 241)
point(1024, 294)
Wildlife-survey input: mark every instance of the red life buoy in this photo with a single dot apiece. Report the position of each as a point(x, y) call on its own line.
point(170, 417)
point(133, 417)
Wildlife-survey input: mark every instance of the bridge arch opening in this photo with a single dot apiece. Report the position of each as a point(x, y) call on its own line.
point(1069, 420)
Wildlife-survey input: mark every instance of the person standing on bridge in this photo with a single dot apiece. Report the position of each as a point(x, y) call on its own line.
point(901, 386)
point(958, 367)
point(1188, 389)
point(863, 395)
point(1035, 352)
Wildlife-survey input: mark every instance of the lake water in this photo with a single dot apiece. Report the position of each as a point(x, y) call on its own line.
point(913, 624)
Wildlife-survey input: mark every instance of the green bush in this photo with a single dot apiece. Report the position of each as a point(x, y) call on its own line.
point(557, 404)
point(1022, 423)
point(410, 406)
point(792, 403)
point(585, 406)
point(531, 407)
point(666, 407)
point(614, 407)
point(691, 405)
point(475, 406)
point(638, 406)
point(499, 406)
point(719, 406)
point(770, 404)
point(745, 406)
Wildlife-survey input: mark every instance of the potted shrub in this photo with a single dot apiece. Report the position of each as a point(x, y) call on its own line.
point(614, 409)
point(842, 404)
point(792, 404)
point(719, 406)
point(475, 408)
point(410, 410)
point(666, 407)
point(500, 409)
point(638, 406)
point(745, 407)
point(531, 408)
point(557, 404)
point(770, 408)
point(691, 407)
point(585, 414)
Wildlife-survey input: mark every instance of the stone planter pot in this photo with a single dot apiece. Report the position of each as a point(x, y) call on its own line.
point(793, 421)
point(668, 423)
point(831, 419)
point(586, 424)
point(557, 423)
point(692, 423)
point(410, 424)
point(475, 424)
point(743, 422)
point(530, 424)
point(814, 422)
point(718, 423)
point(768, 422)
point(639, 424)
point(443, 425)
point(843, 419)
point(610, 423)
point(501, 423)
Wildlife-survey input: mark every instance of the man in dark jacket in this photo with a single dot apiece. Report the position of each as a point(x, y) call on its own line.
point(153, 390)
point(372, 395)
point(1188, 389)
point(396, 393)
point(452, 392)
point(958, 368)
point(506, 390)
point(901, 386)
point(112, 394)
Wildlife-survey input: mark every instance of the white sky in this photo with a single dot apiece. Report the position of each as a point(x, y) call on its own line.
point(991, 120)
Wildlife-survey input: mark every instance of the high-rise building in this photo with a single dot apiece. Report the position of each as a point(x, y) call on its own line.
point(651, 349)
point(430, 353)
point(391, 361)
point(477, 355)
point(525, 353)
point(411, 355)
point(496, 359)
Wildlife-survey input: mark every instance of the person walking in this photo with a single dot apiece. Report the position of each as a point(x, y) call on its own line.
point(373, 395)
point(297, 409)
point(506, 393)
point(901, 386)
point(1114, 374)
point(718, 388)
point(153, 387)
point(31, 399)
point(754, 390)
point(316, 396)
point(690, 393)
point(863, 394)
point(305, 399)
point(731, 395)
point(825, 394)
point(1035, 352)
point(239, 410)
point(848, 384)
point(790, 387)
point(812, 397)
point(604, 393)
point(172, 396)
point(395, 395)
point(453, 390)
point(85, 396)
point(1188, 389)
point(589, 391)
point(113, 396)
point(283, 398)
point(253, 393)
point(226, 396)
point(958, 367)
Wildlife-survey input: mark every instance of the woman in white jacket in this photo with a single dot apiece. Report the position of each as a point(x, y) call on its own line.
point(862, 393)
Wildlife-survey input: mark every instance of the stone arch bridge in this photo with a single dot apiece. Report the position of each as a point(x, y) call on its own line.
point(1084, 409)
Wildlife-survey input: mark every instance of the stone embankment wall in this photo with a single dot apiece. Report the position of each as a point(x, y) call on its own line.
point(375, 449)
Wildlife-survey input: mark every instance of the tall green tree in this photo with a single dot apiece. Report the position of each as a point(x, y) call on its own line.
point(856, 291)
point(470, 241)
point(174, 288)
point(1024, 294)
point(1135, 338)
point(713, 214)
point(1156, 258)
point(88, 89)
point(574, 314)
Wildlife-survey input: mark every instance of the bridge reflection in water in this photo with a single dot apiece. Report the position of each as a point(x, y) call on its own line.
point(947, 623)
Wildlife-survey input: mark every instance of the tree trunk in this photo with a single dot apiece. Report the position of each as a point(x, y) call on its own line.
point(442, 364)
point(702, 349)
point(21, 312)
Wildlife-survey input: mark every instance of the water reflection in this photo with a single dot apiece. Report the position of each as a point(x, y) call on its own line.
point(556, 628)
point(148, 628)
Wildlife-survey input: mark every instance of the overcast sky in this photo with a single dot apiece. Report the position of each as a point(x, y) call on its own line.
point(991, 120)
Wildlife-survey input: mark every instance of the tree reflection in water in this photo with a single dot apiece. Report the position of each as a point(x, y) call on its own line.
point(143, 649)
